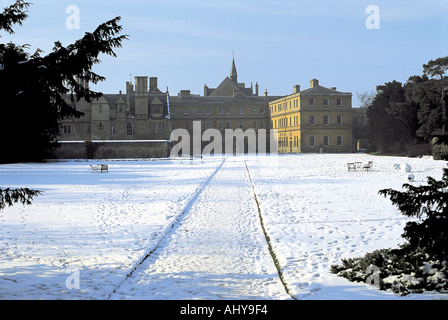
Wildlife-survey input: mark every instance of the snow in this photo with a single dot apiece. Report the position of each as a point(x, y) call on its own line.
point(194, 228)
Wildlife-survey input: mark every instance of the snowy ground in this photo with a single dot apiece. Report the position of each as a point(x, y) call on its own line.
point(181, 229)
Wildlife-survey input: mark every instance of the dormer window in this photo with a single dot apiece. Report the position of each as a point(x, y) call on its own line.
point(156, 109)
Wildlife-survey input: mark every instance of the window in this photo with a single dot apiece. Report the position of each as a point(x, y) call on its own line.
point(227, 110)
point(340, 141)
point(156, 109)
point(326, 103)
point(220, 110)
point(228, 125)
point(326, 120)
point(100, 126)
point(120, 107)
point(159, 128)
point(312, 102)
point(207, 125)
point(262, 110)
point(186, 110)
point(339, 120)
point(199, 110)
point(261, 124)
point(254, 110)
point(220, 126)
point(326, 141)
point(254, 124)
point(129, 129)
point(207, 110)
point(187, 125)
point(312, 120)
point(100, 109)
point(67, 129)
point(113, 130)
point(339, 102)
point(173, 126)
point(241, 125)
point(312, 141)
point(241, 110)
point(173, 110)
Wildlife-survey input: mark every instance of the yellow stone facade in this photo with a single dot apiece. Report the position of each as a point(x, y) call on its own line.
point(317, 119)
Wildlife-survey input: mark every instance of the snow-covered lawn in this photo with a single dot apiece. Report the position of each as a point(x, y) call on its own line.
point(181, 229)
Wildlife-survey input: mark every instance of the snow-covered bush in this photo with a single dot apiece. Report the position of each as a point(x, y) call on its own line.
point(421, 263)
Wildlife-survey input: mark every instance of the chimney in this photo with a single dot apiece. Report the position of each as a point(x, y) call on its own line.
point(129, 87)
point(141, 85)
point(185, 93)
point(82, 82)
point(152, 83)
point(314, 83)
point(265, 92)
point(333, 88)
point(296, 89)
point(256, 89)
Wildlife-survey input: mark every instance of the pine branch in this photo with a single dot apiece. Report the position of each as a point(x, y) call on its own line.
point(10, 196)
point(13, 14)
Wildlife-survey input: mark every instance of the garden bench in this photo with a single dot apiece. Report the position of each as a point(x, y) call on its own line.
point(351, 166)
point(368, 166)
point(99, 168)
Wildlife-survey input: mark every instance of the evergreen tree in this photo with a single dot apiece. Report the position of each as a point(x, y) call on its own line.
point(33, 90)
point(383, 126)
point(34, 87)
point(429, 203)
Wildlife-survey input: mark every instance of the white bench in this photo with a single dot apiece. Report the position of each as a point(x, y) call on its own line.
point(99, 168)
point(368, 166)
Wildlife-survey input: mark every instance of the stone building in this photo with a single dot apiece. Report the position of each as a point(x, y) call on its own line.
point(229, 106)
point(317, 119)
point(139, 114)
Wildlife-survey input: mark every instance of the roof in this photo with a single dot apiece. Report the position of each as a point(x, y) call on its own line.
point(317, 90)
point(220, 100)
point(226, 88)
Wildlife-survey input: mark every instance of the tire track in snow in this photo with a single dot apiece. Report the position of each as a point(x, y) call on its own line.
point(171, 228)
point(271, 249)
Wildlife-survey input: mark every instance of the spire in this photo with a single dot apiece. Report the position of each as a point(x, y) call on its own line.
point(233, 74)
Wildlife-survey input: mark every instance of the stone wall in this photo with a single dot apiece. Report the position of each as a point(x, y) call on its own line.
point(112, 149)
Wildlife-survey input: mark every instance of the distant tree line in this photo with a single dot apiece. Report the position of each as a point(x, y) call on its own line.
point(405, 118)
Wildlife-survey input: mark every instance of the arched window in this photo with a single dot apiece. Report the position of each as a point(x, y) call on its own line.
point(129, 129)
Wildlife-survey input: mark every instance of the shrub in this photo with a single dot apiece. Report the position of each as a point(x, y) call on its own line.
point(439, 151)
point(421, 263)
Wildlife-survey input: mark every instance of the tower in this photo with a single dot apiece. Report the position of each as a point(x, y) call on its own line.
point(233, 73)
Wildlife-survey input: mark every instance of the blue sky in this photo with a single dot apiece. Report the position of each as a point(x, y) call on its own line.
point(279, 43)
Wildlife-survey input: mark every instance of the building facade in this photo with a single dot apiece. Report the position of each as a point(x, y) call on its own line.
point(317, 119)
point(230, 106)
point(139, 114)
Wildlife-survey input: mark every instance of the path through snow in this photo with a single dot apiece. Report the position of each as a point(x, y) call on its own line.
point(218, 250)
